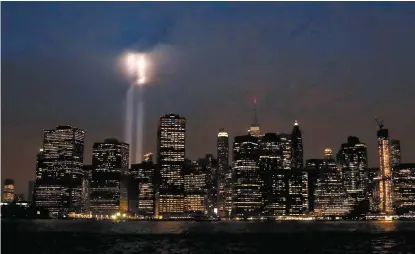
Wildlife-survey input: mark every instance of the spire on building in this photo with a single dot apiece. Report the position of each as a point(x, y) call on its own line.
point(296, 147)
point(254, 129)
point(255, 114)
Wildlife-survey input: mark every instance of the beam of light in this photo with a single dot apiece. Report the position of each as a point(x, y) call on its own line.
point(137, 65)
point(139, 126)
point(129, 118)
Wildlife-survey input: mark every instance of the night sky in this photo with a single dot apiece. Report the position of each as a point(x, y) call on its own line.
point(331, 66)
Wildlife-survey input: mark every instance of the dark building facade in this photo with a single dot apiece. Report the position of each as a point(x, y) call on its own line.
point(352, 161)
point(30, 192)
point(297, 158)
point(86, 188)
point(107, 185)
point(59, 173)
point(142, 199)
point(210, 167)
point(171, 157)
point(313, 168)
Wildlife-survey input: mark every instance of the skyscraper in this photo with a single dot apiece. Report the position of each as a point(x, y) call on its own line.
point(171, 157)
point(352, 160)
point(224, 179)
point(395, 148)
point(271, 163)
point(247, 192)
point(144, 177)
point(8, 190)
point(385, 178)
point(313, 168)
point(254, 129)
point(108, 190)
point(222, 148)
point(296, 147)
point(195, 188)
point(297, 199)
point(59, 171)
point(286, 149)
point(404, 188)
point(330, 195)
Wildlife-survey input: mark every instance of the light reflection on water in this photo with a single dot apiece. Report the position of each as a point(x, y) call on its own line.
point(222, 237)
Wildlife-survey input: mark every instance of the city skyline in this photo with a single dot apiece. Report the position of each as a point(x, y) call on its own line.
point(347, 76)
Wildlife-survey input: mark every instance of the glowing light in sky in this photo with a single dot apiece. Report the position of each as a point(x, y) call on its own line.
point(137, 67)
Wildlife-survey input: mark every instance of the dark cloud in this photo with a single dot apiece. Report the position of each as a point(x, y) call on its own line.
point(333, 67)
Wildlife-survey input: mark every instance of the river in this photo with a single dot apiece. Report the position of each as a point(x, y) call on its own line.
point(57, 237)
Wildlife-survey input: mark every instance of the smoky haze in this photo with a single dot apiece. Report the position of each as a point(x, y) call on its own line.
point(331, 66)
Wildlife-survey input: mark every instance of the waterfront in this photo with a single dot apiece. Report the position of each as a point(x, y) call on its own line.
point(54, 236)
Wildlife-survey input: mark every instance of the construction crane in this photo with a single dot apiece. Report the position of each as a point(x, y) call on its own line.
point(379, 122)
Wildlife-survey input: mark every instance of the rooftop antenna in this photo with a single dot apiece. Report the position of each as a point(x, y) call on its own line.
point(255, 113)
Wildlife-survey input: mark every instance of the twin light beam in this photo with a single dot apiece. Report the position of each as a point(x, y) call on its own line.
point(136, 69)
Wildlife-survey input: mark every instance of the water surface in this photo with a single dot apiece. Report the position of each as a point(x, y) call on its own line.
point(56, 237)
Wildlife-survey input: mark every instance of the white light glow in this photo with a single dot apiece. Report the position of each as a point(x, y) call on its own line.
point(137, 67)
point(222, 134)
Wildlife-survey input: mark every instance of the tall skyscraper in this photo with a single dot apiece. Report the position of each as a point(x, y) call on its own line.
point(171, 157)
point(395, 148)
point(108, 190)
point(330, 195)
point(144, 177)
point(254, 129)
point(385, 179)
point(296, 147)
point(247, 192)
point(286, 149)
point(271, 163)
point(8, 190)
point(297, 199)
point(224, 179)
point(352, 160)
point(59, 174)
point(222, 149)
point(404, 188)
point(313, 168)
